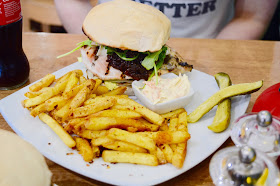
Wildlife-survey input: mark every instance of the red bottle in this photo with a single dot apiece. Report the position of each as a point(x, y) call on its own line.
point(269, 100)
point(14, 66)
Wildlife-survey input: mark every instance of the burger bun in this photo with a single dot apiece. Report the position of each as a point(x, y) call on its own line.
point(127, 25)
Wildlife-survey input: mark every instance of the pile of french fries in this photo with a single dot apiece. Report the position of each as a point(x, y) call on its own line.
point(99, 122)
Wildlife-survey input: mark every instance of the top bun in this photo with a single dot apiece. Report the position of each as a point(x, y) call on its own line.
point(127, 25)
point(21, 163)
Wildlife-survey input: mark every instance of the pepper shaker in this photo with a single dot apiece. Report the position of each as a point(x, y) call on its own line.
point(242, 166)
point(258, 130)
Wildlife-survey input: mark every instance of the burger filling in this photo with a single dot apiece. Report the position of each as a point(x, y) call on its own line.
point(131, 68)
point(103, 61)
point(114, 64)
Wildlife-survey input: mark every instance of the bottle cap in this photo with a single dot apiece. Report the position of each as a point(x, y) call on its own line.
point(258, 130)
point(242, 166)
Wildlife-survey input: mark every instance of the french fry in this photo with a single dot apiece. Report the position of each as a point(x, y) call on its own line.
point(164, 126)
point(68, 128)
point(101, 141)
point(74, 91)
point(166, 137)
point(150, 127)
point(82, 94)
point(89, 134)
point(79, 72)
point(62, 134)
point(96, 151)
point(45, 82)
point(56, 102)
point(77, 124)
point(129, 157)
point(102, 97)
point(117, 91)
point(92, 96)
point(100, 104)
point(82, 79)
point(112, 144)
point(183, 122)
point(62, 79)
point(97, 84)
point(62, 114)
point(37, 93)
point(173, 113)
point(79, 127)
point(58, 88)
point(181, 149)
point(160, 156)
point(101, 90)
point(122, 107)
point(117, 113)
point(145, 112)
point(84, 149)
point(38, 109)
point(173, 126)
point(104, 123)
point(116, 96)
point(77, 101)
point(76, 121)
point(73, 80)
point(179, 155)
point(133, 138)
point(124, 147)
point(168, 152)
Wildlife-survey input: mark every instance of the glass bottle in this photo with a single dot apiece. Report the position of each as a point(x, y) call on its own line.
point(14, 66)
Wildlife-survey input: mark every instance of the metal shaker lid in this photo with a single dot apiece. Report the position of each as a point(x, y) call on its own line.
point(242, 166)
point(258, 130)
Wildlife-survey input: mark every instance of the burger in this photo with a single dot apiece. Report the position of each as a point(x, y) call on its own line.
point(127, 41)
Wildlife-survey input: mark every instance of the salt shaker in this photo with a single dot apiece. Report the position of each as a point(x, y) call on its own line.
point(242, 166)
point(258, 130)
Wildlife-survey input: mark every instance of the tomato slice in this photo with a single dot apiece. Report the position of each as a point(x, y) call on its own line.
point(269, 100)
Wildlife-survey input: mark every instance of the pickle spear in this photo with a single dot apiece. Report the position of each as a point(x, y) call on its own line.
point(222, 117)
point(234, 90)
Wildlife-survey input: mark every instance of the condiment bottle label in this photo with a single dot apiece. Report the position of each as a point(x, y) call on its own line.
point(10, 11)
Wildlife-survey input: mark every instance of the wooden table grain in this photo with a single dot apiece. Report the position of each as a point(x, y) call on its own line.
point(244, 61)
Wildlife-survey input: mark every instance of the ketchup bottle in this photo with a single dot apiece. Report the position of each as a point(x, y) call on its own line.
point(14, 66)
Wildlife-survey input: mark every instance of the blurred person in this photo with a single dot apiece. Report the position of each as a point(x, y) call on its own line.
point(221, 19)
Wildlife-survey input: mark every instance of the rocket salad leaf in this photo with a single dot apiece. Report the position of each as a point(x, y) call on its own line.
point(159, 64)
point(80, 45)
point(121, 55)
point(150, 60)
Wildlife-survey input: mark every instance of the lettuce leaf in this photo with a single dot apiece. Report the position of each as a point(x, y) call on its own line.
point(159, 63)
point(80, 45)
point(121, 55)
point(150, 60)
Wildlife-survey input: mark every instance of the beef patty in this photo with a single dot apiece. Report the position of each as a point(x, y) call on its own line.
point(132, 68)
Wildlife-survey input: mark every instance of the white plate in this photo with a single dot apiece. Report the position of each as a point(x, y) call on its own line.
point(202, 144)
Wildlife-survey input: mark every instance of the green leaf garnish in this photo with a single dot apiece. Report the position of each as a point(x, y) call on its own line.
point(159, 64)
point(110, 50)
point(150, 60)
point(121, 55)
point(80, 45)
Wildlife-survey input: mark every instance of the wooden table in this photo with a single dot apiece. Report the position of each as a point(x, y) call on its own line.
point(244, 61)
